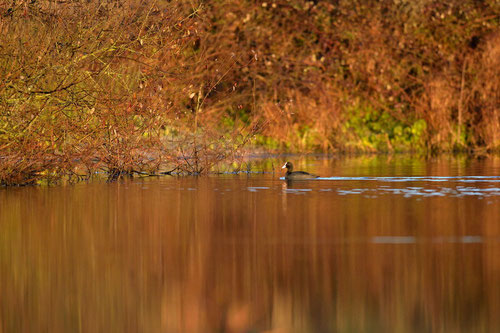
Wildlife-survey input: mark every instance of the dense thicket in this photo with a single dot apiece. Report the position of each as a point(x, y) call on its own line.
point(133, 85)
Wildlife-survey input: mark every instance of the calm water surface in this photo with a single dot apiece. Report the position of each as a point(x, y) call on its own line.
point(378, 244)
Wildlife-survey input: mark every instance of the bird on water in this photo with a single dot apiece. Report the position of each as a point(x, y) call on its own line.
point(296, 175)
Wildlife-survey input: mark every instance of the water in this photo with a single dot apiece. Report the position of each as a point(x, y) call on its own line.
point(378, 244)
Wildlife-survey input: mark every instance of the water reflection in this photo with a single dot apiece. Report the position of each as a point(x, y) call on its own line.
point(240, 253)
point(451, 188)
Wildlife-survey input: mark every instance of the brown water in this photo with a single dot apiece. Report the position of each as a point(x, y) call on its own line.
point(386, 245)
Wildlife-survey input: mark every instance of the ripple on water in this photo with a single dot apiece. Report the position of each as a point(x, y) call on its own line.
point(449, 186)
point(466, 179)
point(257, 188)
point(407, 192)
point(467, 239)
point(297, 190)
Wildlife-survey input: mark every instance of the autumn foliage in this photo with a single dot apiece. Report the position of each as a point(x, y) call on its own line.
point(146, 87)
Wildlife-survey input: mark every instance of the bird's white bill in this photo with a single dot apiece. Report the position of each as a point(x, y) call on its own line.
point(284, 166)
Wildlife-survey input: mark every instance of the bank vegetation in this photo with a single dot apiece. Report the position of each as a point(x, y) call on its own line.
point(148, 87)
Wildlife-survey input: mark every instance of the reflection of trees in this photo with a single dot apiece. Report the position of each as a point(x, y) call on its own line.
point(178, 260)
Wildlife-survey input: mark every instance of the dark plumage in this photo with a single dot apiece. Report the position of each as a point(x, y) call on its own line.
point(296, 175)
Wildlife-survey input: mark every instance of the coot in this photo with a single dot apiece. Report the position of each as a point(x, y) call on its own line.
point(296, 175)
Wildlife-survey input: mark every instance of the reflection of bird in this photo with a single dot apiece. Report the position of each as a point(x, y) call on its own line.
point(296, 175)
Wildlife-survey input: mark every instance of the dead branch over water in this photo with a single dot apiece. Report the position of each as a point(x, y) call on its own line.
point(139, 87)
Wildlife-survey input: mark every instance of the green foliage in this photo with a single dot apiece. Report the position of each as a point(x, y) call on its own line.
point(306, 138)
point(268, 142)
point(236, 115)
point(375, 130)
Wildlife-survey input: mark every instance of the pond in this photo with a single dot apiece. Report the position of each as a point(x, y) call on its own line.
point(376, 244)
